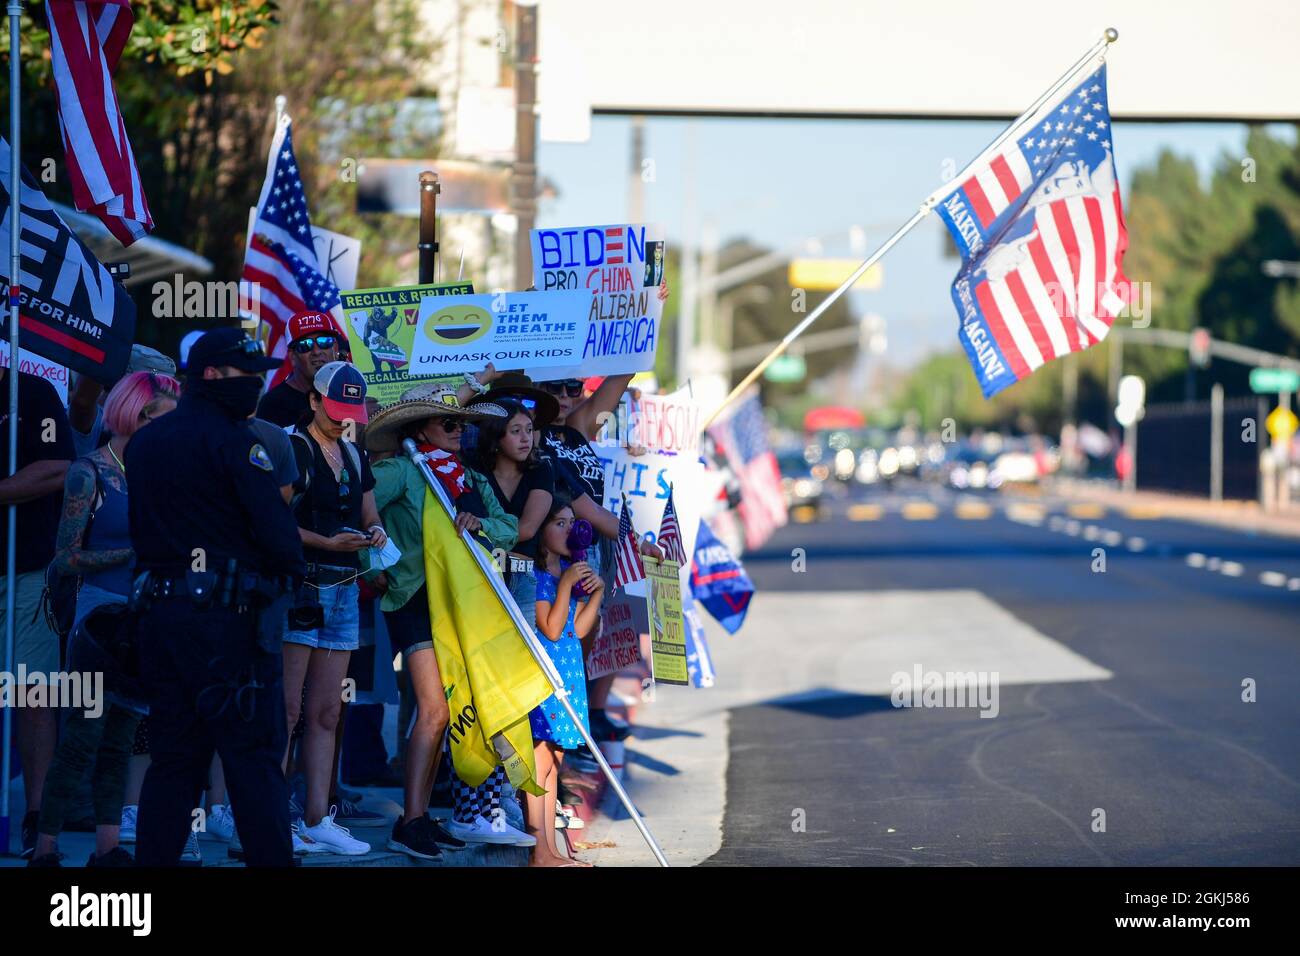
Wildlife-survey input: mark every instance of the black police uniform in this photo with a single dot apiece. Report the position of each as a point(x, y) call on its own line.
point(201, 495)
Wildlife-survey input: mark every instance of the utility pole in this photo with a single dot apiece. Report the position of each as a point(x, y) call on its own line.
point(429, 190)
point(1216, 442)
point(524, 180)
point(635, 185)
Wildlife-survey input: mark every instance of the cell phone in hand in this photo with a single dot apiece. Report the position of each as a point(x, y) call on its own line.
point(352, 531)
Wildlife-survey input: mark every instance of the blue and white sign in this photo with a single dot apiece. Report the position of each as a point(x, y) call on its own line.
point(463, 333)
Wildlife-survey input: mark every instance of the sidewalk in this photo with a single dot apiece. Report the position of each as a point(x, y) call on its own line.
point(1240, 515)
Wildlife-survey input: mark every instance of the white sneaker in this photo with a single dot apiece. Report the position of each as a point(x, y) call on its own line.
point(302, 847)
point(501, 826)
point(129, 815)
point(334, 838)
point(477, 831)
point(192, 855)
point(571, 820)
point(220, 823)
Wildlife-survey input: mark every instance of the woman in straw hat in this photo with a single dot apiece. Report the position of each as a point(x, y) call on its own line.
point(433, 418)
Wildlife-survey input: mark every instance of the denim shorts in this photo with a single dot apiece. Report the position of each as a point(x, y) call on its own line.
point(342, 621)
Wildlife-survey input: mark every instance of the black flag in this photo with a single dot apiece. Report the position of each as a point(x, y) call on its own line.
point(71, 311)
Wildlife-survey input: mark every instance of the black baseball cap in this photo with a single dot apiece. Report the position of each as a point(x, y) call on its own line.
point(228, 347)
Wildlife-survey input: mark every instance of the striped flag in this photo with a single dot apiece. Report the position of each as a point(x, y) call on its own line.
point(281, 259)
point(670, 536)
point(1040, 228)
point(627, 551)
point(742, 436)
point(86, 42)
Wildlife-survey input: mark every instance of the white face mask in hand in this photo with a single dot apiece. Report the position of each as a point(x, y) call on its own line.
point(385, 557)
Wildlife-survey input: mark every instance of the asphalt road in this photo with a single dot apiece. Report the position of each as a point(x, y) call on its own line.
point(1120, 736)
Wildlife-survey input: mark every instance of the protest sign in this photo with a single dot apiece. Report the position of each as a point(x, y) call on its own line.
point(622, 622)
point(620, 267)
point(71, 311)
point(33, 364)
point(667, 427)
point(667, 628)
point(380, 325)
point(464, 333)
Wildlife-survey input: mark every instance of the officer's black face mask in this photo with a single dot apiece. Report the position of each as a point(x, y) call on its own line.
point(237, 395)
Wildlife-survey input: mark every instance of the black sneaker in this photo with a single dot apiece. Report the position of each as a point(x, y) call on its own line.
point(47, 859)
point(114, 858)
point(415, 839)
point(444, 837)
point(567, 796)
point(30, 819)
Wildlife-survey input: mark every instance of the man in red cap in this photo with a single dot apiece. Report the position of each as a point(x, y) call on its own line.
point(314, 341)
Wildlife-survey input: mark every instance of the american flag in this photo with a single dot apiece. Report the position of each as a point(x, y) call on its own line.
point(1040, 228)
point(743, 439)
point(670, 536)
point(627, 551)
point(280, 258)
point(86, 42)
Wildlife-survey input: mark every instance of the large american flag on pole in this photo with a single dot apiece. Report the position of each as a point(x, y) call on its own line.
point(281, 259)
point(1040, 229)
point(86, 42)
point(742, 436)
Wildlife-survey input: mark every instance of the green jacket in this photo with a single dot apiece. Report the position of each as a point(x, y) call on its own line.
point(399, 495)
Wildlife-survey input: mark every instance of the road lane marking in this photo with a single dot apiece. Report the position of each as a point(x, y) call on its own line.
point(1213, 564)
point(804, 514)
point(1274, 579)
point(1025, 513)
point(1086, 509)
point(1091, 532)
point(1137, 544)
point(1144, 512)
point(1293, 584)
point(1056, 522)
point(1196, 560)
point(1112, 539)
point(1232, 569)
point(973, 510)
point(865, 512)
point(919, 511)
point(1072, 528)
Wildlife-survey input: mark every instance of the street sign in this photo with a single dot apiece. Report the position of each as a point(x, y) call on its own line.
point(1281, 424)
point(786, 368)
point(1274, 381)
point(825, 274)
point(1132, 396)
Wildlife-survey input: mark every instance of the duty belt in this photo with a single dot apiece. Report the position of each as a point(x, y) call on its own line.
point(240, 588)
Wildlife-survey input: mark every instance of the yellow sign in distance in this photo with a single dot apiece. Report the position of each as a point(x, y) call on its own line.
point(1281, 423)
point(825, 274)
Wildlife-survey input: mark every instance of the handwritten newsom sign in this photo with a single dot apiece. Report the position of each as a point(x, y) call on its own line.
point(463, 333)
point(667, 427)
point(620, 267)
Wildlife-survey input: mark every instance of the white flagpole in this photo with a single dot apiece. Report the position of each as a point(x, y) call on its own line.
point(1097, 50)
point(15, 10)
point(543, 659)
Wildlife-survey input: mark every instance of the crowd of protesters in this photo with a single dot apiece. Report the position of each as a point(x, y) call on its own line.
point(516, 460)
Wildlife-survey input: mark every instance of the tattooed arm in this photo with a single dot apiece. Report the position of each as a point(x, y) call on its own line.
point(78, 502)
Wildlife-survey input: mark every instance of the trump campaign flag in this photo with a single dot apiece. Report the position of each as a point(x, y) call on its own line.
point(281, 259)
point(719, 582)
point(70, 309)
point(86, 42)
point(1040, 229)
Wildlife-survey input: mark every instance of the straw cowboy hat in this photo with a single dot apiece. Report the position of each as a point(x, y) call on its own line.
point(518, 386)
point(384, 433)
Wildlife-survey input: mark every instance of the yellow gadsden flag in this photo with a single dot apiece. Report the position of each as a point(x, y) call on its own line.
point(489, 675)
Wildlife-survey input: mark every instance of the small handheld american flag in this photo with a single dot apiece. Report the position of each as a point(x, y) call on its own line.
point(627, 551)
point(670, 535)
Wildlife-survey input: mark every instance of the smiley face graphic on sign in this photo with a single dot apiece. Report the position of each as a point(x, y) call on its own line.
point(458, 324)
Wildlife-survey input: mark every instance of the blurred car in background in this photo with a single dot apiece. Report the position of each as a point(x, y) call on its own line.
point(801, 482)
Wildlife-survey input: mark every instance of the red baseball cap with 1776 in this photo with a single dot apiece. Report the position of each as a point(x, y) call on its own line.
point(304, 324)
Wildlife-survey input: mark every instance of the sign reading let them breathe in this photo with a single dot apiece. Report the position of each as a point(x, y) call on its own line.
point(619, 268)
point(463, 333)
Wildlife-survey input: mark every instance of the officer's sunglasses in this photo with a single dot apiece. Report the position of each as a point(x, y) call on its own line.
point(571, 387)
point(322, 342)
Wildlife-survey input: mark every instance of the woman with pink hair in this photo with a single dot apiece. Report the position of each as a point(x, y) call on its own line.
point(94, 546)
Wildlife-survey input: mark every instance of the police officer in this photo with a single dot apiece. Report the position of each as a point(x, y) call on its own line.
point(217, 556)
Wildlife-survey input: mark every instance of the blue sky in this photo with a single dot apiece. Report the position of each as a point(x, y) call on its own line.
point(779, 181)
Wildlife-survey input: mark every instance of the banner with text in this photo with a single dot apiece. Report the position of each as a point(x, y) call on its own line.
point(620, 267)
point(667, 627)
point(510, 329)
point(380, 325)
point(618, 646)
point(33, 364)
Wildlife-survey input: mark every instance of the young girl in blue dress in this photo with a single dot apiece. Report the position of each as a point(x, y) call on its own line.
point(564, 617)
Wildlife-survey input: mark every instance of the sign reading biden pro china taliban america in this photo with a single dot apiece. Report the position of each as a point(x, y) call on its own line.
point(463, 333)
point(620, 267)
